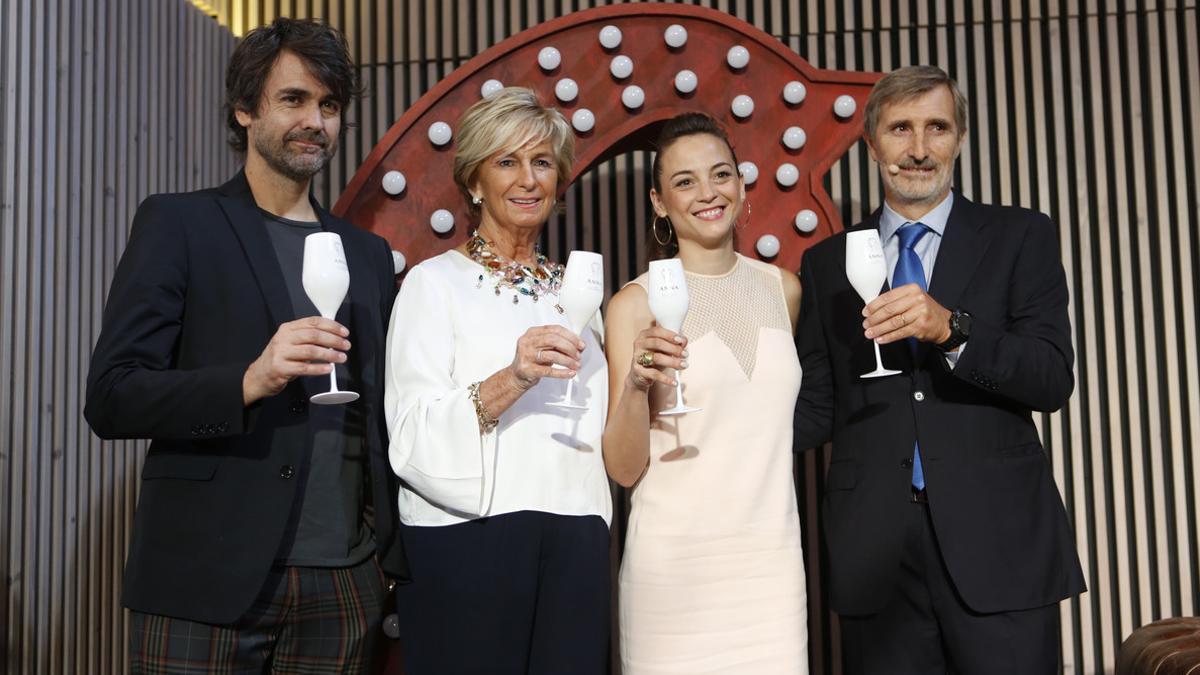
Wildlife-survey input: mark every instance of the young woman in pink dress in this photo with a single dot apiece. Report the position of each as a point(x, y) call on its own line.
point(712, 579)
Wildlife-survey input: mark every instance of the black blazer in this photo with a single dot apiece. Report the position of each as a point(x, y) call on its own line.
point(196, 297)
point(997, 513)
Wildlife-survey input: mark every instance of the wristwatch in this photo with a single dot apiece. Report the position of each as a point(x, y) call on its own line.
point(960, 330)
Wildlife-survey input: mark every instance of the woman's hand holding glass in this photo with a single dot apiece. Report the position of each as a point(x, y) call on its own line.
point(540, 349)
point(654, 350)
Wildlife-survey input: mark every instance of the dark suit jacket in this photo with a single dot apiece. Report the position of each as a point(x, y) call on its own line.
point(197, 296)
point(997, 513)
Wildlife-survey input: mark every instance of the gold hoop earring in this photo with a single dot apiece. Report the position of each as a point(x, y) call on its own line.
point(749, 213)
point(654, 230)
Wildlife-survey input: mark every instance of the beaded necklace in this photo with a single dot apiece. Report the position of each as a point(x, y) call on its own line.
point(545, 277)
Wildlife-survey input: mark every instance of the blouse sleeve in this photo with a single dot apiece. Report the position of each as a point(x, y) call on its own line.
point(435, 444)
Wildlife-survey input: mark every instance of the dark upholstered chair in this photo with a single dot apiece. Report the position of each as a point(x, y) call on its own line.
point(1167, 647)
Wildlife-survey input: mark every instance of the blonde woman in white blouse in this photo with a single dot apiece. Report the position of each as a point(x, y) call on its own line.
point(504, 499)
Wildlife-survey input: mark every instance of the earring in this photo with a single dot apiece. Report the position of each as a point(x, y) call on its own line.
point(654, 230)
point(476, 200)
point(749, 213)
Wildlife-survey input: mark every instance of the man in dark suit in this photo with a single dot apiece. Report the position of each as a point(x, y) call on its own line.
point(949, 547)
point(263, 520)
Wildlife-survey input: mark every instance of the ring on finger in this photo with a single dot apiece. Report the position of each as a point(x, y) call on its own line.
point(645, 359)
point(537, 358)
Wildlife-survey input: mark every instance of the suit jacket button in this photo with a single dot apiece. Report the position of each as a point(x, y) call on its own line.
point(297, 407)
point(286, 471)
point(918, 396)
point(906, 463)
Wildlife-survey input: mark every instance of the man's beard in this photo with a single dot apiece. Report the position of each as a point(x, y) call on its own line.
point(916, 192)
point(298, 166)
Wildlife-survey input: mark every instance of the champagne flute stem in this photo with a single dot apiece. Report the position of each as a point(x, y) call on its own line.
point(878, 358)
point(570, 390)
point(678, 390)
point(332, 377)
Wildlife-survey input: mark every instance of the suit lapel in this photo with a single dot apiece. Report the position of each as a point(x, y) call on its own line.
point(964, 245)
point(237, 201)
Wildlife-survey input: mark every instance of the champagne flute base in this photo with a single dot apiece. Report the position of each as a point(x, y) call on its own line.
point(333, 397)
point(880, 372)
point(678, 410)
point(567, 404)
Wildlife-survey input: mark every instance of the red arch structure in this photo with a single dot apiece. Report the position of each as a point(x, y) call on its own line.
point(404, 219)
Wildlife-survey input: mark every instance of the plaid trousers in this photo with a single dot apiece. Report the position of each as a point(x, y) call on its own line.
point(306, 620)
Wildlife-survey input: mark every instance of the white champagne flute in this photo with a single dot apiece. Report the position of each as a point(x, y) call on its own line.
point(866, 268)
point(580, 295)
point(668, 294)
point(326, 280)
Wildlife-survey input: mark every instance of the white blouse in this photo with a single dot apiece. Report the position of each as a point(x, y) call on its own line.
point(448, 331)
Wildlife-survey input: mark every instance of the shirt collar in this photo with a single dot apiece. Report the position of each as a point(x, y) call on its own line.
point(890, 221)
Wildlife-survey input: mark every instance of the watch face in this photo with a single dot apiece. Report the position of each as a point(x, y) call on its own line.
point(962, 323)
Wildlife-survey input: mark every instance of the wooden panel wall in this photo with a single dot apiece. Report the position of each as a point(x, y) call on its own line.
point(103, 104)
point(1088, 110)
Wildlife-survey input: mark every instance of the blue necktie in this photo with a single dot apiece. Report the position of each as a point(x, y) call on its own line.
point(909, 270)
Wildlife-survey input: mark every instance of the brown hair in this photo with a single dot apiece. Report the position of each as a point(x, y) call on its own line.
point(321, 47)
point(680, 126)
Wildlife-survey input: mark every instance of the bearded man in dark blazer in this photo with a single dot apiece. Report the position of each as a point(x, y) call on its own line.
point(949, 547)
point(263, 521)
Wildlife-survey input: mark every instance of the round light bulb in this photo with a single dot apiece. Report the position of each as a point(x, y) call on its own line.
point(490, 88)
point(749, 171)
point(686, 81)
point(442, 221)
point(806, 220)
point(583, 120)
point(844, 106)
point(621, 67)
point(439, 133)
point(794, 138)
point(767, 246)
point(394, 182)
point(566, 90)
point(794, 92)
point(787, 174)
point(398, 262)
point(675, 36)
point(610, 37)
point(633, 96)
point(549, 58)
point(737, 57)
point(742, 105)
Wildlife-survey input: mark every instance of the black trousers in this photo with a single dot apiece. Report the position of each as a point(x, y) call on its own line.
point(514, 594)
point(927, 629)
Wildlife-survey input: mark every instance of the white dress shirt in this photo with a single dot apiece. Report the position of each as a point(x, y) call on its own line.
point(448, 331)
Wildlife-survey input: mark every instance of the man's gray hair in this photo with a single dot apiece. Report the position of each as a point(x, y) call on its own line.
point(905, 84)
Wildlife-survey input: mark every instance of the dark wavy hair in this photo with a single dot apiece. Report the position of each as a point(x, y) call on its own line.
point(323, 49)
point(680, 126)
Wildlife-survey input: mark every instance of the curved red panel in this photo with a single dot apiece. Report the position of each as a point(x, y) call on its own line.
point(404, 219)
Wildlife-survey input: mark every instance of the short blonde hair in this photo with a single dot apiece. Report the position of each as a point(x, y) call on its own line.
point(510, 120)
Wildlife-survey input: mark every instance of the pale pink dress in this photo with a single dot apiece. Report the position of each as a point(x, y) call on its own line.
point(712, 578)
